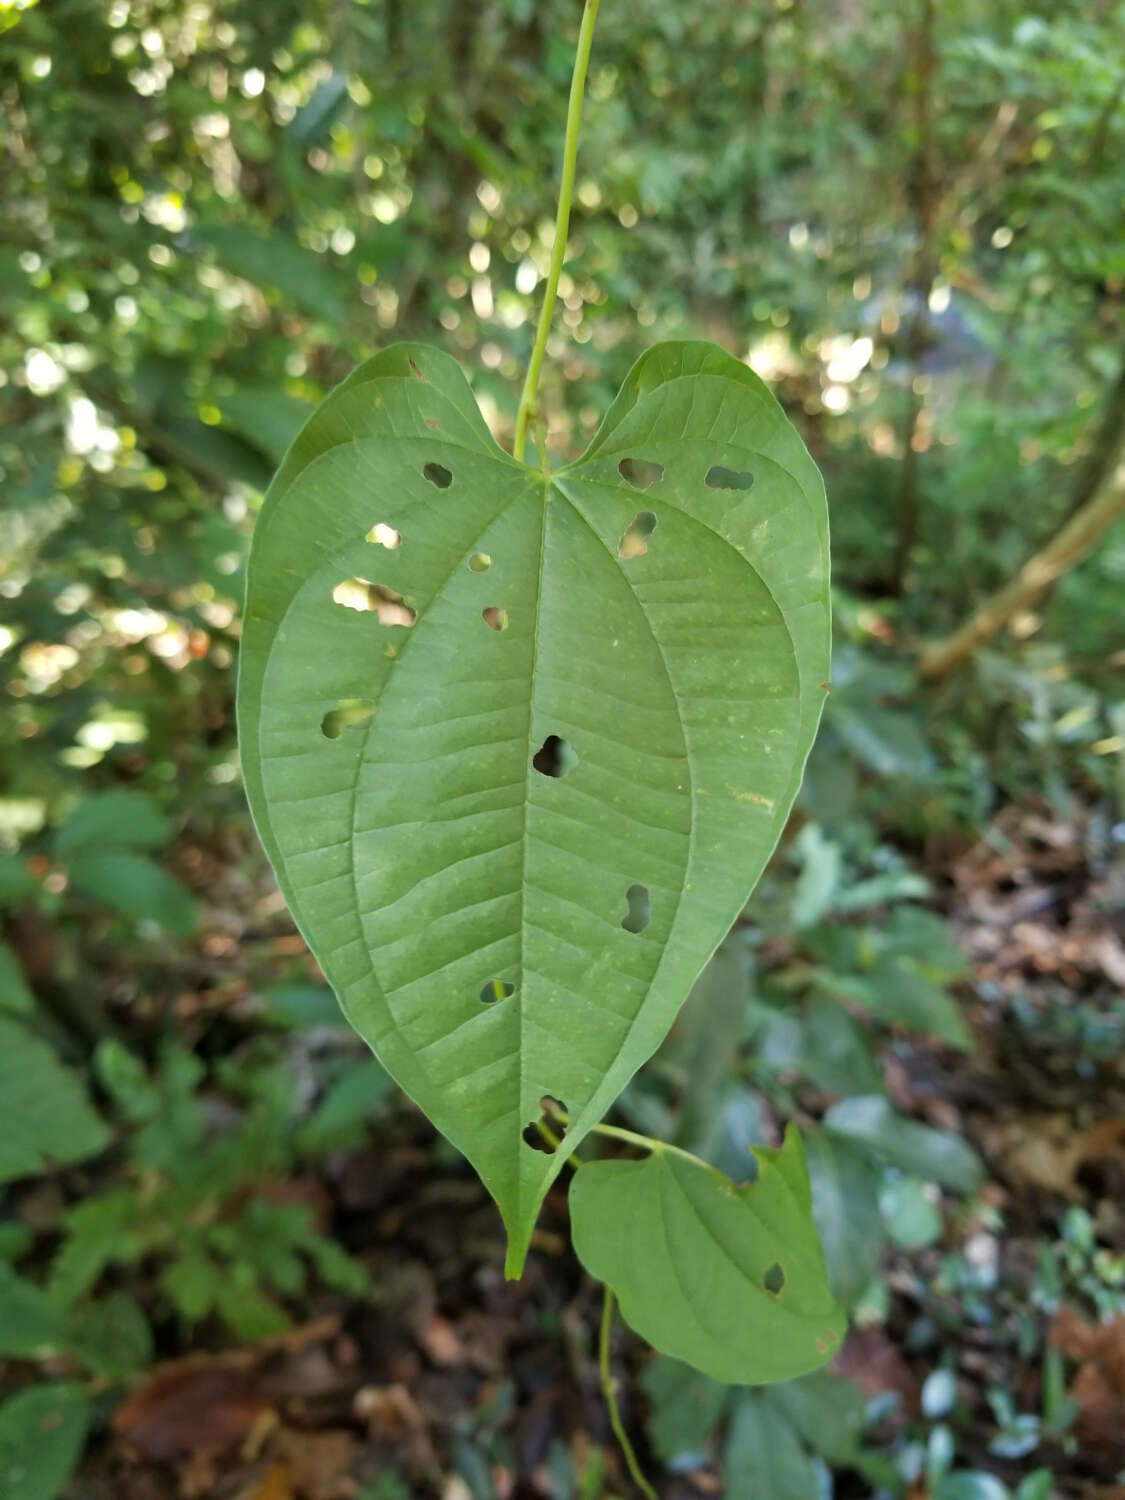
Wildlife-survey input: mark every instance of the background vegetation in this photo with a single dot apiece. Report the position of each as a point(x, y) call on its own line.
point(233, 1261)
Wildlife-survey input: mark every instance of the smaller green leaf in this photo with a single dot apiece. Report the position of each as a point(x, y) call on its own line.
point(15, 993)
point(823, 1045)
point(264, 417)
point(732, 1279)
point(822, 866)
point(135, 887)
point(342, 1116)
point(894, 991)
point(191, 1284)
point(47, 1116)
point(937, 1155)
point(113, 820)
point(15, 1240)
point(684, 1407)
point(763, 1457)
point(112, 1336)
point(247, 1309)
point(925, 938)
point(846, 1208)
point(971, 1484)
point(30, 1326)
point(122, 1074)
point(827, 1411)
point(16, 880)
point(1037, 1486)
point(913, 1220)
point(280, 264)
point(42, 1432)
point(297, 1007)
point(97, 1233)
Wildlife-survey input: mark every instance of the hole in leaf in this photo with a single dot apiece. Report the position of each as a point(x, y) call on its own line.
point(438, 474)
point(347, 712)
point(535, 1138)
point(541, 1133)
point(640, 473)
point(361, 593)
point(414, 366)
point(634, 540)
point(639, 914)
point(496, 989)
point(555, 757)
point(719, 478)
point(774, 1280)
point(495, 617)
point(384, 536)
point(480, 561)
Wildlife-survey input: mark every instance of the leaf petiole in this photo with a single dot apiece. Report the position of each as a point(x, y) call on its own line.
point(632, 1138)
point(527, 408)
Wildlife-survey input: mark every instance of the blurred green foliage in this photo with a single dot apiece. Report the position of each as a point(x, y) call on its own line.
point(210, 210)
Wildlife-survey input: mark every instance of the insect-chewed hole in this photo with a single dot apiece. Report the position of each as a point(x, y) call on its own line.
point(640, 473)
point(347, 712)
point(634, 539)
point(438, 474)
point(480, 562)
point(719, 478)
point(495, 617)
point(555, 757)
point(551, 1125)
point(384, 536)
point(639, 914)
point(362, 594)
point(774, 1280)
point(496, 989)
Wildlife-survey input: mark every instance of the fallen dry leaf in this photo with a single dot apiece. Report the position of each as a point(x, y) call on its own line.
point(1099, 1386)
point(275, 1484)
point(319, 1462)
point(191, 1410)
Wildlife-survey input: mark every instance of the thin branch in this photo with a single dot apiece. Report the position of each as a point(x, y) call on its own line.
point(1075, 540)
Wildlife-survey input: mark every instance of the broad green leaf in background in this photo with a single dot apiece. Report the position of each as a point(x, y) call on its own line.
point(136, 887)
point(846, 1209)
point(432, 629)
point(42, 1431)
point(265, 417)
point(894, 991)
point(912, 1218)
point(764, 1458)
point(30, 1324)
point(282, 265)
point(113, 820)
point(47, 1116)
point(731, 1280)
point(111, 1336)
point(683, 1408)
point(15, 992)
point(937, 1155)
point(828, 1412)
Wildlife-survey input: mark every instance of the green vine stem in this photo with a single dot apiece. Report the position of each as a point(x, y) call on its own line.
point(527, 408)
point(609, 1391)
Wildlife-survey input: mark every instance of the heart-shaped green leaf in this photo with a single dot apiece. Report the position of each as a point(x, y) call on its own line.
point(519, 745)
point(731, 1280)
